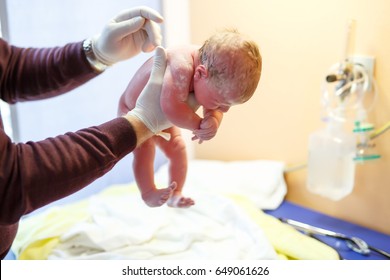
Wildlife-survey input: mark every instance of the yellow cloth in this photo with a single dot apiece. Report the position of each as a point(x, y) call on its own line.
point(40, 234)
point(287, 242)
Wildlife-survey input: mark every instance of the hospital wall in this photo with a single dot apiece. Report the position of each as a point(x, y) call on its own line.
point(299, 41)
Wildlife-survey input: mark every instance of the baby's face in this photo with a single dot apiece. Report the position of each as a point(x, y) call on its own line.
point(211, 98)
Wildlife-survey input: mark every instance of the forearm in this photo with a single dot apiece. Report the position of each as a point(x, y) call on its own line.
point(37, 173)
point(218, 115)
point(181, 115)
point(38, 73)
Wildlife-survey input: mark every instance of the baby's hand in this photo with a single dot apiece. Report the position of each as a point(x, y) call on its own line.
point(208, 129)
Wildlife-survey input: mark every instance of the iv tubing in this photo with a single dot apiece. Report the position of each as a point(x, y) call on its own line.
point(380, 131)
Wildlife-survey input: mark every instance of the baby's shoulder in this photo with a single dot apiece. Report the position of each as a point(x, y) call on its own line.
point(182, 56)
point(184, 49)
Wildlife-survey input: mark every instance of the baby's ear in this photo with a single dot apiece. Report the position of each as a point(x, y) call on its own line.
point(200, 72)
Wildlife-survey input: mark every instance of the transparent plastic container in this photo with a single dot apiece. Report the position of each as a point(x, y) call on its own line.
point(331, 166)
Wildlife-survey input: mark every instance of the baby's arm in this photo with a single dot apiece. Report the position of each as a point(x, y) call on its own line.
point(208, 126)
point(174, 100)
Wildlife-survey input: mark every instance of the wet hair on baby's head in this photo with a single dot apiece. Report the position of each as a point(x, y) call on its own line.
point(232, 60)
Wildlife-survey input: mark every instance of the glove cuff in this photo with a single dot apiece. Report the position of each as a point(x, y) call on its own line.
point(95, 63)
point(149, 125)
point(135, 113)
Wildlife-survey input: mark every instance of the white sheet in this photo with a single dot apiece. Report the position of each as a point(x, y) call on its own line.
point(122, 227)
point(261, 181)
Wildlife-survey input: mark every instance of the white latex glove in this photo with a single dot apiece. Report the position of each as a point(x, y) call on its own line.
point(147, 107)
point(127, 34)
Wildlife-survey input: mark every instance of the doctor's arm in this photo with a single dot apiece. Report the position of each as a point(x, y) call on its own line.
point(34, 174)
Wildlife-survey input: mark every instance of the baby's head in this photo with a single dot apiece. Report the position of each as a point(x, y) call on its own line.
point(232, 63)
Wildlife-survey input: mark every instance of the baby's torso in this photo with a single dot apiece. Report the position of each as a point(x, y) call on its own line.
point(180, 70)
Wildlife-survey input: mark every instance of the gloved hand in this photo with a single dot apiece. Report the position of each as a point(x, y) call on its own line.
point(147, 107)
point(127, 34)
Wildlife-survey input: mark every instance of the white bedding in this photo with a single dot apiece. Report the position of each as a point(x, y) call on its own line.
point(116, 224)
point(122, 227)
point(261, 181)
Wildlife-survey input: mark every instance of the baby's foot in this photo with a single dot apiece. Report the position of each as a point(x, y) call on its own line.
point(179, 201)
point(158, 197)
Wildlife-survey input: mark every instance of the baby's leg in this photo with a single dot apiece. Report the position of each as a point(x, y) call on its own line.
point(175, 151)
point(122, 107)
point(143, 166)
point(143, 162)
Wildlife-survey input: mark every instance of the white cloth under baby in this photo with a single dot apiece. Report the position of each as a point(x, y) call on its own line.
point(123, 227)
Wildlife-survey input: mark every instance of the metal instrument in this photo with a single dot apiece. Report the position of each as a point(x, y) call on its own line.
point(356, 244)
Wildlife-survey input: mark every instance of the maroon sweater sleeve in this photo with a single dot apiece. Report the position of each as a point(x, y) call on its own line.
point(34, 174)
point(33, 73)
point(37, 173)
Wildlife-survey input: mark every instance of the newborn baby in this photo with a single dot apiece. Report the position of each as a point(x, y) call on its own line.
point(225, 71)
